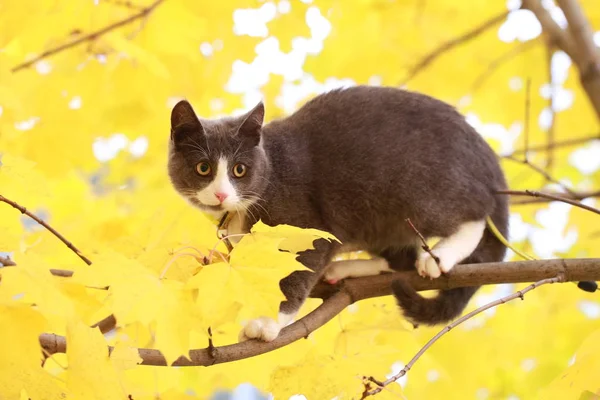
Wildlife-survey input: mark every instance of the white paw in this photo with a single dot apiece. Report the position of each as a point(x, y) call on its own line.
point(335, 273)
point(263, 328)
point(428, 267)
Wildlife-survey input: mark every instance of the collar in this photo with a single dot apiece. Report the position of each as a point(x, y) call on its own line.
point(222, 230)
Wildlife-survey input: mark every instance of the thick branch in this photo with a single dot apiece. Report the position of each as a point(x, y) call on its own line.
point(577, 42)
point(560, 37)
point(89, 37)
point(588, 61)
point(351, 290)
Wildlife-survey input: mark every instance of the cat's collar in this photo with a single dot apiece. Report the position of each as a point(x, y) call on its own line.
point(222, 230)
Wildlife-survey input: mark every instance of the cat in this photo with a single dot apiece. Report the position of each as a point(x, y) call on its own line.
point(355, 162)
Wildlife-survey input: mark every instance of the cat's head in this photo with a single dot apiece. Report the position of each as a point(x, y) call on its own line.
point(217, 165)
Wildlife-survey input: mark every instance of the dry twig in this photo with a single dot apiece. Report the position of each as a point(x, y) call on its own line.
point(518, 295)
point(449, 45)
point(549, 196)
point(425, 246)
point(499, 61)
point(542, 172)
point(45, 225)
point(89, 37)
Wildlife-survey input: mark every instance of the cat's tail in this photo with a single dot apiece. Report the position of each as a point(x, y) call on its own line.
point(446, 306)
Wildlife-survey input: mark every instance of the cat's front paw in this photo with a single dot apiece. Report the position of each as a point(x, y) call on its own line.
point(428, 267)
point(263, 328)
point(335, 273)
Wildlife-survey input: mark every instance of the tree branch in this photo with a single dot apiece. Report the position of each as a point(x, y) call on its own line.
point(499, 61)
point(560, 37)
point(351, 290)
point(45, 225)
point(7, 262)
point(588, 61)
point(89, 37)
point(536, 200)
point(449, 45)
point(558, 144)
point(549, 196)
point(517, 295)
point(577, 42)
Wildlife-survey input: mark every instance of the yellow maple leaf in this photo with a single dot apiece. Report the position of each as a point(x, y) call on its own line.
point(295, 239)
point(581, 377)
point(137, 294)
point(20, 363)
point(91, 374)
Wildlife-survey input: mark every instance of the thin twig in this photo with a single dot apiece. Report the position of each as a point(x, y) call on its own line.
point(517, 295)
point(548, 196)
point(7, 262)
point(537, 200)
point(551, 130)
point(45, 225)
point(540, 171)
point(351, 290)
point(89, 37)
point(559, 144)
point(499, 61)
point(449, 45)
point(425, 246)
point(527, 113)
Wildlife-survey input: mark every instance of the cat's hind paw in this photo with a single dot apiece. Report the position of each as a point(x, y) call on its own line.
point(262, 328)
point(428, 267)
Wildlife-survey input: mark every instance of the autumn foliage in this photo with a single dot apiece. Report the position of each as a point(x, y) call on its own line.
point(86, 90)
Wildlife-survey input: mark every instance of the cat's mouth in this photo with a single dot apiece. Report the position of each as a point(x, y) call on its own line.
point(213, 209)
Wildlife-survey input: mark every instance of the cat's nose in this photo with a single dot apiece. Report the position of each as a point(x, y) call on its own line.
point(221, 196)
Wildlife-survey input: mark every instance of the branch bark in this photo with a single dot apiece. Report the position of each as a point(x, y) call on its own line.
point(338, 297)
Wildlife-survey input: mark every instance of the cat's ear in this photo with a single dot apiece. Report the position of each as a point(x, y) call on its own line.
point(183, 118)
point(250, 128)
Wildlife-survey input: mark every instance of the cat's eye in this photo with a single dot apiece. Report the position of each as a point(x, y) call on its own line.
point(239, 170)
point(203, 168)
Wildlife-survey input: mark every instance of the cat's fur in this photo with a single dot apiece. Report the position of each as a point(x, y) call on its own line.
point(355, 162)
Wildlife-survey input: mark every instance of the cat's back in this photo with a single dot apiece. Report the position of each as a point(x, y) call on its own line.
point(379, 122)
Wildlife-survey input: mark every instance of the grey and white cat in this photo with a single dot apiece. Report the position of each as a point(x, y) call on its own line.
point(355, 162)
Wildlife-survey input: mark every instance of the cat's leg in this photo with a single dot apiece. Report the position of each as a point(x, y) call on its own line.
point(296, 287)
point(451, 250)
point(338, 270)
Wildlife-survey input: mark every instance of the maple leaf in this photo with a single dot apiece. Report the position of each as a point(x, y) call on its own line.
point(20, 364)
point(91, 374)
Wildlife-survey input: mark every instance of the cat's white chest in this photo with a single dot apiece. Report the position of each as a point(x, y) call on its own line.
point(236, 227)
